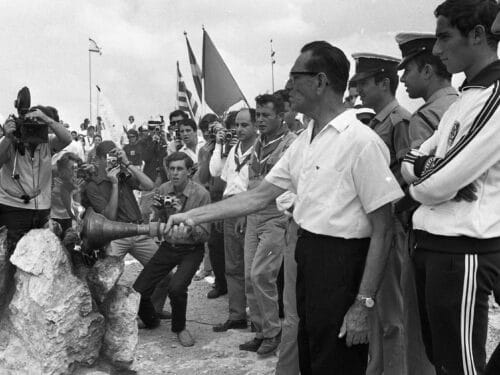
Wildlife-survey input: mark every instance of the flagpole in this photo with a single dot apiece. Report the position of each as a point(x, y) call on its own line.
point(97, 102)
point(272, 65)
point(90, 88)
point(203, 75)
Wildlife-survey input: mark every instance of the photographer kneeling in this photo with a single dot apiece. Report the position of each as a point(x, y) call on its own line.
point(186, 254)
point(110, 193)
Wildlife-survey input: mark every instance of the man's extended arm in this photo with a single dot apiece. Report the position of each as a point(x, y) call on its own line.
point(239, 205)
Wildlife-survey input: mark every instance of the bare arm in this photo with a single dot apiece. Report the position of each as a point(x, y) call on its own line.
point(9, 129)
point(239, 205)
point(356, 325)
point(381, 221)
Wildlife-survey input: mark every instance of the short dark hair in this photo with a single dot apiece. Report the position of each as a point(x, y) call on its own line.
point(104, 147)
point(284, 93)
point(278, 103)
point(253, 117)
point(207, 120)
point(177, 156)
point(427, 58)
point(188, 122)
point(331, 61)
point(467, 14)
point(64, 160)
point(176, 113)
point(97, 135)
point(47, 111)
point(230, 120)
point(393, 78)
point(90, 127)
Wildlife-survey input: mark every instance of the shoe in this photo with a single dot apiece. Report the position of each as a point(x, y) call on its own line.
point(230, 324)
point(269, 345)
point(252, 345)
point(200, 275)
point(216, 293)
point(164, 315)
point(148, 314)
point(185, 338)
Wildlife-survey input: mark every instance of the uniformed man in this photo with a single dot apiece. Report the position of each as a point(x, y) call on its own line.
point(426, 77)
point(377, 80)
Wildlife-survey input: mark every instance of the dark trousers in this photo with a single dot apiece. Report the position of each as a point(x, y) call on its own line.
point(187, 259)
point(329, 271)
point(452, 291)
point(20, 221)
point(216, 254)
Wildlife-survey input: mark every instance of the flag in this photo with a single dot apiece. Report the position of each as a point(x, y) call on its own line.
point(98, 88)
point(93, 47)
point(195, 70)
point(221, 90)
point(185, 100)
point(273, 52)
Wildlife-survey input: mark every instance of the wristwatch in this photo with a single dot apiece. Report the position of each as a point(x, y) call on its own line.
point(367, 302)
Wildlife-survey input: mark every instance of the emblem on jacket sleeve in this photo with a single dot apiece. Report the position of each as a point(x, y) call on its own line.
point(453, 133)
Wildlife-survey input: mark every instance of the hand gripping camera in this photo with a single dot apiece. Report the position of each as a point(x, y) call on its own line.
point(28, 130)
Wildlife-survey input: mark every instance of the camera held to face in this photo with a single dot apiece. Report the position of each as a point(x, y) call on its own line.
point(113, 161)
point(28, 130)
point(229, 138)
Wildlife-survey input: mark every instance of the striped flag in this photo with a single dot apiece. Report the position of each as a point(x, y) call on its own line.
point(195, 69)
point(93, 47)
point(185, 100)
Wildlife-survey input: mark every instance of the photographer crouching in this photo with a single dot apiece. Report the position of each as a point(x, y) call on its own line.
point(110, 193)
point(26, 174)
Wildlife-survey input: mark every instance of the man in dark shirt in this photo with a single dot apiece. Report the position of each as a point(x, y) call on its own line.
point(115, 183)
point(185, 254)
point(133, 149)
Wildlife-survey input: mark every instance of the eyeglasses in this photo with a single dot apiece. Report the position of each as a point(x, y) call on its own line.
point(296, 74)
point(175, 122)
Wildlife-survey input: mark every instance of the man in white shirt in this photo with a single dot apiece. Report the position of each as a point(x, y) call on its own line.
point(189, 135)
point(233, 169)
point(339, 170)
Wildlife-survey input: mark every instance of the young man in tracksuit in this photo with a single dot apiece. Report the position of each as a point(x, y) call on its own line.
point(455, 175)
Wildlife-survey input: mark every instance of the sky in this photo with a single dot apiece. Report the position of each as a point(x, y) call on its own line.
point(45, 46)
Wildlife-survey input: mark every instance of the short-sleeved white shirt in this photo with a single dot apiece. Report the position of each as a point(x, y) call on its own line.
point(339, 177)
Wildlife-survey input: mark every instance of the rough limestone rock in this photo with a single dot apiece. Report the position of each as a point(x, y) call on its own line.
point(103, 276)
point(6, 272)
point(120, 340)
point(50, 326)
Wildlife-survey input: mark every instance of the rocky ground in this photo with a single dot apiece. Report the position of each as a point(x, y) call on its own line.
point(159, 352)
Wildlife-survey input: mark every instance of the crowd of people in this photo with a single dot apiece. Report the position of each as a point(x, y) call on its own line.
point(350, 235)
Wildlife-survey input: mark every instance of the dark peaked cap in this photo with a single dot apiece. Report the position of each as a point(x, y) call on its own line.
point(369, 64)
point(413, 44)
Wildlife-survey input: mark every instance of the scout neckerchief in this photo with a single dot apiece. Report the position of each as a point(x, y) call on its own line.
point(240, 165)
point(262, 151)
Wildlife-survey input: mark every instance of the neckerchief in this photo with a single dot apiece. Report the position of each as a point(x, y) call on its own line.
point(262, 151)
point(239, 164)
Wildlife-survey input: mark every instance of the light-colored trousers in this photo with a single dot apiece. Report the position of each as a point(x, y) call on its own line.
point(288, 360)
point(264, 247)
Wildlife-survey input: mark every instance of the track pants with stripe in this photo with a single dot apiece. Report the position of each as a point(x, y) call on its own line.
point(452, 291)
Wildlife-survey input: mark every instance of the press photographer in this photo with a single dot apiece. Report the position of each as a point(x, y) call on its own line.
point(110, 193)
point(25, 166)
point(186, 254)
point(154, 148)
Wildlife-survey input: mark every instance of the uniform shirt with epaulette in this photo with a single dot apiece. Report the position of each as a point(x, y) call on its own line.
point(425, 120)
point(391, 124)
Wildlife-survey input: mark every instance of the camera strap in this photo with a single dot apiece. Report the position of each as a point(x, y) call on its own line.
point(15, 177)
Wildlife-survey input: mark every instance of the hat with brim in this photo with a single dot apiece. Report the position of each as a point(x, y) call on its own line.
point(414, 44)
point(370, 64)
